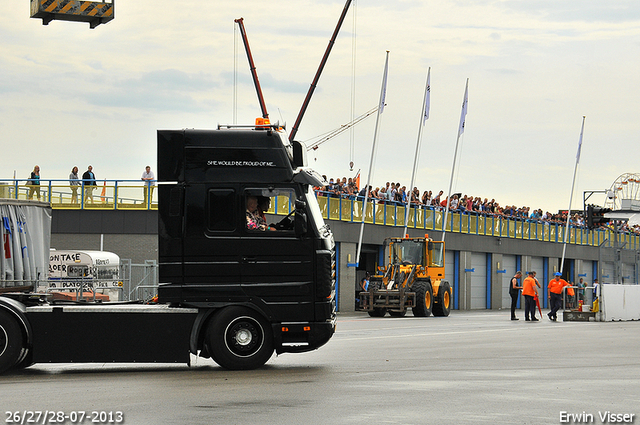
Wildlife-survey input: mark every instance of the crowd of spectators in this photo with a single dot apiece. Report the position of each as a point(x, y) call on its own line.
point(393, 193)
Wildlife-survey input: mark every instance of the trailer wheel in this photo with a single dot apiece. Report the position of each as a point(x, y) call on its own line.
point(424, 298)
point(239, 338)
point(442, 306)
point(11, 341)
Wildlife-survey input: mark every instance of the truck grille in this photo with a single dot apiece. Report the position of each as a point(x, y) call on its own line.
point(325, 274)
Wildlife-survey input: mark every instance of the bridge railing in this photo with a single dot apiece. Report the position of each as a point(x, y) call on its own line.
point(430, 218)
point(105, 195)
point(138, 195)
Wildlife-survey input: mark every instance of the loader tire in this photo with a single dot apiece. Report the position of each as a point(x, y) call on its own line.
point(442, 305)
point(378, 312)
point(424, 298)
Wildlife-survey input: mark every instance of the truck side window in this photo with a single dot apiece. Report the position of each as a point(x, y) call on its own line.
point(261, 201)
point(221, 210)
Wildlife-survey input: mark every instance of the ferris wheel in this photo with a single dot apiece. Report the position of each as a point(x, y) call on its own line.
point(625, 187)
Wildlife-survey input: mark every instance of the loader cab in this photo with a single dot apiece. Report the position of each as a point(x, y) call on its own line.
point(435, 254)
point(407, 251)
point(424, 252)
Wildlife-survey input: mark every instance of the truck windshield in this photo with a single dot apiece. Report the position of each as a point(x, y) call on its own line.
point(408, 252)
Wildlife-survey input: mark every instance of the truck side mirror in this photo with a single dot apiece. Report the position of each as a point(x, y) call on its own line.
point(299, 154)
point(300, 222)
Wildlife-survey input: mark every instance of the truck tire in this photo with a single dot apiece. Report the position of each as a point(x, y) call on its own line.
point(424, 298)
point(25, 360)
point(397, 313)
point(442, 305)
point(239, 338)
point(11, 341)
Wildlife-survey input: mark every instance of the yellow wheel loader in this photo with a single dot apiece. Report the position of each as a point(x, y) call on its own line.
point(413, 279)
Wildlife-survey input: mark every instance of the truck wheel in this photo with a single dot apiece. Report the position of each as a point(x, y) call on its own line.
point(240, 338)
point(442, 306)
point(424, 298)
point(25, 360)
point(397, 313)
point(10, 341)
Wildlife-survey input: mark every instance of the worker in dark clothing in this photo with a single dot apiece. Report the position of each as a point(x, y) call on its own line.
point(514, 292)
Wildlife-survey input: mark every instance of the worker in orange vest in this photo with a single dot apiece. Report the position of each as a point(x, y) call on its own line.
point(555, 295)
point(529, 291)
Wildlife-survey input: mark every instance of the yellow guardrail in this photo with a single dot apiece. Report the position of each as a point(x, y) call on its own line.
point(136, 195)
point(105, 195)
point(428, 218)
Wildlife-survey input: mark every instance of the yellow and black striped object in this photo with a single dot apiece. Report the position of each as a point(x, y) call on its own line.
point(93, 12)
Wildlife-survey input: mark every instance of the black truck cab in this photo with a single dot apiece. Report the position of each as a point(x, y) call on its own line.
point(218, 251)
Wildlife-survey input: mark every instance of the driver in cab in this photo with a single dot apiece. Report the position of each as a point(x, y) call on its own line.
point(255, 213)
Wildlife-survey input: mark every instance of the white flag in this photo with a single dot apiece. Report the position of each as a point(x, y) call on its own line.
point(463, 115)
point(383, 94)
point(427, 97)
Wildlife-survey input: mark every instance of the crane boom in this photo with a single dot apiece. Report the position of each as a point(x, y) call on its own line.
point(333, 133)
point(252, 67)
point(307, 99)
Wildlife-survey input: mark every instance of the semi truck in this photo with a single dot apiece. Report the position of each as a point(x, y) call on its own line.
point(233, 287)
point(228, 291)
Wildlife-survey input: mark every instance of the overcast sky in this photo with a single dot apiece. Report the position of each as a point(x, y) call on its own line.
point(70, 95)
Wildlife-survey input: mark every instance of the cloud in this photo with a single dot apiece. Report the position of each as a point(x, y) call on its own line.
point(267, 82)
point(586, 10)
point(162, 90)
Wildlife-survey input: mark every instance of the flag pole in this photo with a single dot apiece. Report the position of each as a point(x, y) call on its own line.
point(575, 169)
point(424, 116)
point(463, 116)
point(383, 93)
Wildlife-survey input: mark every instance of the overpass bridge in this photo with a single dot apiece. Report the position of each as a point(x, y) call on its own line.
point(483, 251)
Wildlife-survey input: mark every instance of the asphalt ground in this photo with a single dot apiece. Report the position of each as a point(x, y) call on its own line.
point(474, 367)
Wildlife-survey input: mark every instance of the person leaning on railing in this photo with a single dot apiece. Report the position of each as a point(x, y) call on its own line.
point(74, 183)
point(147, 178)
point(34, 183)
point(89, 184)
